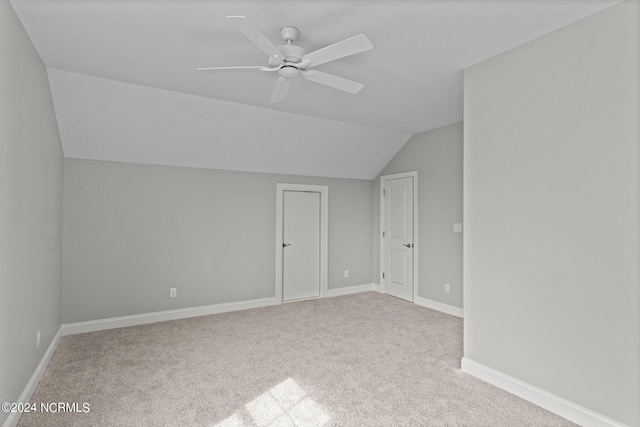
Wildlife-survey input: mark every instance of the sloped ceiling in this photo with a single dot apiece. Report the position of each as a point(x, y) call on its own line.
point(125, 88)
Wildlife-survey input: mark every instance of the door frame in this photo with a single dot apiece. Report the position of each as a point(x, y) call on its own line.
point(324, 232)
point(383, 180)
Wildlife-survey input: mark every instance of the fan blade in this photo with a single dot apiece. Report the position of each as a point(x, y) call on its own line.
point(280, 90)
point(248, 67)
point(333, 81)
point(355, 44)
point(248, 29)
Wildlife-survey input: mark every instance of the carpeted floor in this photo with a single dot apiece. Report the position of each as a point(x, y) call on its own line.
point(358, 360)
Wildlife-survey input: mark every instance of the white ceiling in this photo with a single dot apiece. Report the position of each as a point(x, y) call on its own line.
point(124, 84)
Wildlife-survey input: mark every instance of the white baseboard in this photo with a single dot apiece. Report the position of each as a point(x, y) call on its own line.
point(435, 305)
point(161, 316)
point(566, 409)
point(183, 313)
point(350, 290)
point(14, 417)
point(378, 288)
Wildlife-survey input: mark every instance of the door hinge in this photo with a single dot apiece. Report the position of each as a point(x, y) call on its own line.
point(383, 275)
point(383, 234)
point(384, 193)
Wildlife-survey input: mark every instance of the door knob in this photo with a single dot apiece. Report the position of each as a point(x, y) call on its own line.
point(284, 245)
point(409, 245)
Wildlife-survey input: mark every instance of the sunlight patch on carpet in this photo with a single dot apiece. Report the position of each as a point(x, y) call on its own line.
point(285, 404)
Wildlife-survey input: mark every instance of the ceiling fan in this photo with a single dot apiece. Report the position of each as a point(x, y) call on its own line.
point(291, 61)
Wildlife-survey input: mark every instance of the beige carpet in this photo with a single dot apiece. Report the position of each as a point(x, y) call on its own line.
point(359, 360)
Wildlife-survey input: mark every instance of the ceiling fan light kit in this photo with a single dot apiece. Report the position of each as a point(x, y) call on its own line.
point(291, 61)
point(289, 72)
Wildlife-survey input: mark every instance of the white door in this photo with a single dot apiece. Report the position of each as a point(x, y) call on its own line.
point(300, 245)
point(397, 240)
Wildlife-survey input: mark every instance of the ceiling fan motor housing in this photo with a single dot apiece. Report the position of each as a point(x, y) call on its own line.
point(292, 53)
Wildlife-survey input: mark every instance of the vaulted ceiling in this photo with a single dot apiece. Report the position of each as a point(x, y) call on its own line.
point(125, 86)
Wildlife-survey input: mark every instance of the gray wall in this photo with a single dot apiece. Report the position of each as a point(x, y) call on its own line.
point(551, 195)
point(30, 209)
point(437, 156)
point(133, 231)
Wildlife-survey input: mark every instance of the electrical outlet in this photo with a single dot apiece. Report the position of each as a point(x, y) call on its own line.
point(173, 292)
point(38, 338)
point(346, 273)
point(447, 287)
